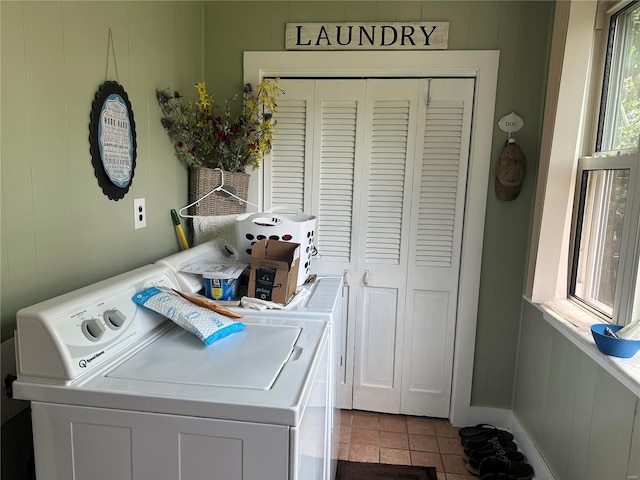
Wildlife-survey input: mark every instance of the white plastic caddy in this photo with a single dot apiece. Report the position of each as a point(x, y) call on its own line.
point(285, 223)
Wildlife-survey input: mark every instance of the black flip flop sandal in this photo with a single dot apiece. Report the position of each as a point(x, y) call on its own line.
point(483, 443)
point(482, 431)
point(473, 430)
point(512, 457)
point(503, 466)
point(486, 445)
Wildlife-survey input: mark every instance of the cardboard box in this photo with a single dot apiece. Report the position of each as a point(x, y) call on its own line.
point(278, 223)
point(274, 270)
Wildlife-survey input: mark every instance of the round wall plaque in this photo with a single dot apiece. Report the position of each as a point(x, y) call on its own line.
point(112, 139)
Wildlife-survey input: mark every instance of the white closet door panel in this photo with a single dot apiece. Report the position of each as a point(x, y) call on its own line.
point(439, 188)
point(339, 104)
point(337, 153)
point(390, 123)
point(425, 363)
point(378, 334)
point(287, 170)
point(387, 164)
point(377, 385)
point(439, 182)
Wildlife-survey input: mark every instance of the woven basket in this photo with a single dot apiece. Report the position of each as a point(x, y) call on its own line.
point(202, 180)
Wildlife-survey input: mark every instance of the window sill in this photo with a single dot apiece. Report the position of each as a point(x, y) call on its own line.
point(574, 323)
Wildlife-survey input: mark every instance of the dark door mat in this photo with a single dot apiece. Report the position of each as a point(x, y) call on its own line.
point(382, 471)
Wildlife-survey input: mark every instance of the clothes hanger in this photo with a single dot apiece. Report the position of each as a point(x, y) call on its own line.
point(219, 188)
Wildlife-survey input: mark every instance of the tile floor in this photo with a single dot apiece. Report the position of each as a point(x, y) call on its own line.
point(405, 440)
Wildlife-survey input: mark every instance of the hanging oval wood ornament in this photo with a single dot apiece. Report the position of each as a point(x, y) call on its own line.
point(112, 138)
point(511, 123)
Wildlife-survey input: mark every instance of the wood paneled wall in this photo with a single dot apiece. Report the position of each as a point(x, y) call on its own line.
point(584, 422)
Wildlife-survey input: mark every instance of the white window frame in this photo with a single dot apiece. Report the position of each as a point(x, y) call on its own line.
point(569, 123)
point(628, 261)
point(562, 133)
point(572, 104)
point(624, 298)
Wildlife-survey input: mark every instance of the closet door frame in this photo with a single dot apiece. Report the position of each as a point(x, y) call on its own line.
point(479, 64)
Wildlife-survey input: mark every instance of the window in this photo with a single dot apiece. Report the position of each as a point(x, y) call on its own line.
point(606, 220)
point(600, 228)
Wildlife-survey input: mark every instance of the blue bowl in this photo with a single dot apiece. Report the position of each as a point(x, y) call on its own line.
point(615, 347)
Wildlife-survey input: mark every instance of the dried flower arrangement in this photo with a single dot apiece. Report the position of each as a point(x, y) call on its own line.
point(206, 135)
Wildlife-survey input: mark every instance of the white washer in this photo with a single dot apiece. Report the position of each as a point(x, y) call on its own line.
point(118, 392)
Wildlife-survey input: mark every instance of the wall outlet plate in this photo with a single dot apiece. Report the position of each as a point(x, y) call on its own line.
point(139, 213)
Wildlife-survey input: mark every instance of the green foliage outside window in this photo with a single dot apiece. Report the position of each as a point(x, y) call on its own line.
point(628, 121)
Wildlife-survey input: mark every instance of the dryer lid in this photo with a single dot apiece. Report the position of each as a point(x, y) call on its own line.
point(249, 359)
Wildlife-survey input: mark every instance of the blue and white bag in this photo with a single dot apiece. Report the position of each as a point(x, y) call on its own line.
point(207, 325)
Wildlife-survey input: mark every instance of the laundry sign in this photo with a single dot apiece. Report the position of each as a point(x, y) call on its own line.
point(367, 36)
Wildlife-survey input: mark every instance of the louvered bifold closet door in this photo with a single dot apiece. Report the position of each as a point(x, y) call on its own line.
point(338, 133)
point(439, 186)
point(390, 126)
point(383, 165)
point(313, 168)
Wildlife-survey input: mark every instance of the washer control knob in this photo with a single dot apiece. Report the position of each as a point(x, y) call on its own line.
point(114, 318)
point(93, 329)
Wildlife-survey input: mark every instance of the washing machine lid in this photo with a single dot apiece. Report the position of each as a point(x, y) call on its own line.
point(250, 359)
point(159, 376)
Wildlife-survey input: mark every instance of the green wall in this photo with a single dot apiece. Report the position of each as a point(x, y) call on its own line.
point(521, 30)
point(58, 231)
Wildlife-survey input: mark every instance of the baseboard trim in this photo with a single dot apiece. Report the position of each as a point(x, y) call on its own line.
point(508, 420)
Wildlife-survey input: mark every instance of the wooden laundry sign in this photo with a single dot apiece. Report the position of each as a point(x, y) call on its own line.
point(367, 36)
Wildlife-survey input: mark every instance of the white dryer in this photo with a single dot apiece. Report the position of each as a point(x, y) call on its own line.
point(323, 302)
point(119, 392)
